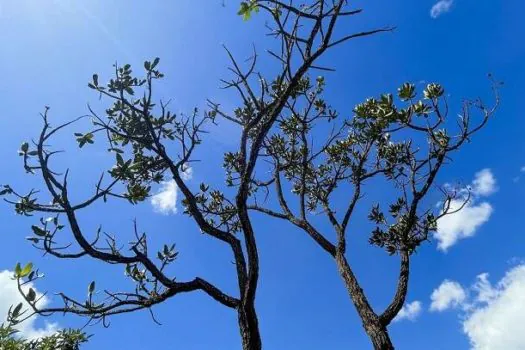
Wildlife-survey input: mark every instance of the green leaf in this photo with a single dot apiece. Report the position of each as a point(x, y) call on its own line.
point(95, 79)
point(91, 287)
point(155, 62)
point(26, 270)
point(120, 160)
point(247, 8)
point(39, 231)
point(147, 65)
point(16, 310)
point(406, 91)
point(33, 239)
point(116, 150)
point(433, 90)
point(31, 295)
point(25, 147)
point(18, 269)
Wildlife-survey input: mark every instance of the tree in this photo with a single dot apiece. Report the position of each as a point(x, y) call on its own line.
point(137, 131)
point(403, 145)
point(406, 145)
point(62, 340)
point(277, 118)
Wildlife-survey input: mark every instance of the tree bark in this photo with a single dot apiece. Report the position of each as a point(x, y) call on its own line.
point(379, 337)
point(249, 328)
point(376, 331)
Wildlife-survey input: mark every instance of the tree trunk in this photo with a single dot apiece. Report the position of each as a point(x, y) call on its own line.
point(377, 333)
point(379, 337)
point(249, 327)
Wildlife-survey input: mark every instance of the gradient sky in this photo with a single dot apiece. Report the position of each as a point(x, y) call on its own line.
point(51, 48)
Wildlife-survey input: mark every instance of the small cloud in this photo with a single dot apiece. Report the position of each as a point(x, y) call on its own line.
point(9, 295)
point(409, 311)
point(441, 7)
point(165, 201)
point(448, 295)
point(462, 224)
point(484, 183)
point(517, 178)
point(466, 215)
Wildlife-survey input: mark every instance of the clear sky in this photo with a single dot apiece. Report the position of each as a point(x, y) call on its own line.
point(51, 48)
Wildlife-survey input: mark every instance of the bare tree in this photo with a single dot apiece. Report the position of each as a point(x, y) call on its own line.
point(138, 131)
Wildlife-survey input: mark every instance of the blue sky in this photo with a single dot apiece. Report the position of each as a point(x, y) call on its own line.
point(50, 49)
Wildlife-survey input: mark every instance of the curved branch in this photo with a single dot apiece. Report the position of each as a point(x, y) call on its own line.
point(401, 292)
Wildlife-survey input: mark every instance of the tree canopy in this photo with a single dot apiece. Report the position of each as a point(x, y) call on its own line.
point(297, 160)
point(62, 340)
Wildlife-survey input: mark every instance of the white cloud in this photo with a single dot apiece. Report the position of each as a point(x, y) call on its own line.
point(9, 295)
point(494, 315)
point(517, 178)
point(462, 224)
point(484, 290)
point(470, 216)
point(441, 7)
point(409, 311)
point(448, 295)
point(165, 201)
point(496, 319)
point(484, 183)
